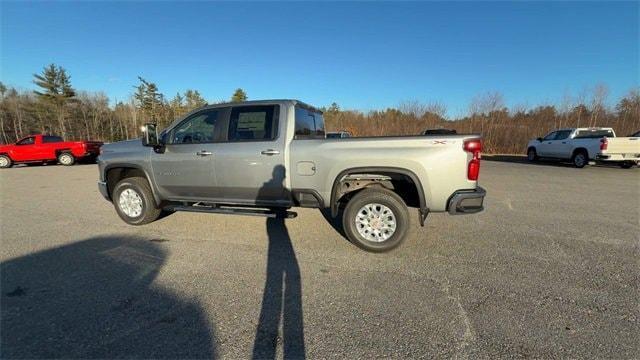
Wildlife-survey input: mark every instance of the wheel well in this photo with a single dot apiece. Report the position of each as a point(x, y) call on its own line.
point(60, 151)
point(532, 147)
point(116, 174)
point(401, 184)
point(578, 150)
point(5, 154)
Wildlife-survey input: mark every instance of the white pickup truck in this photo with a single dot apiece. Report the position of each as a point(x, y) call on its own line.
point(579, 145)
point(622, 150)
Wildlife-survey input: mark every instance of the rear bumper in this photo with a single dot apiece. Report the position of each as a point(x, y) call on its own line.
point(466, 201)
point(102, 186)
point(618, 157)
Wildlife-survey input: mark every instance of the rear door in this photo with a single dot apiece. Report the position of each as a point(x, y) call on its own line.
point(250, 164)
point(184, 167)
point(47, 150)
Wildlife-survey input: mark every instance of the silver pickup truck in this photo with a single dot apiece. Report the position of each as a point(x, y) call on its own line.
point(265, 157)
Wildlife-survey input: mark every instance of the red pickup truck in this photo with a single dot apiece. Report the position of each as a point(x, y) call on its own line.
point(47, 148)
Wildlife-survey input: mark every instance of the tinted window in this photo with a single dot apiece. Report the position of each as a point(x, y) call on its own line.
point(551, 136)
point(51, 139)
point(309, 124)
point(563, 134)
point(26, 141)
point(196, 129)
point(249, 123)
point(593, 134)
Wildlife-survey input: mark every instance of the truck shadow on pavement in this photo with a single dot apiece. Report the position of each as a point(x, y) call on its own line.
point(282, 296)
point(522, 159)
point(96, 298)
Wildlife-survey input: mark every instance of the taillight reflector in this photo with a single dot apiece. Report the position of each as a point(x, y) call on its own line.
point(473, 146)
point(604, 143)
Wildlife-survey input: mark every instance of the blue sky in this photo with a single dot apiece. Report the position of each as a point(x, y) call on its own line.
point(363, 55)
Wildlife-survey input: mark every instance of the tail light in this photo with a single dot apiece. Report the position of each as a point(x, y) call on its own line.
point(473, 146)
point(604, 143)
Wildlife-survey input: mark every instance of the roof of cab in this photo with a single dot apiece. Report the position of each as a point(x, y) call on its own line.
point(265, 102)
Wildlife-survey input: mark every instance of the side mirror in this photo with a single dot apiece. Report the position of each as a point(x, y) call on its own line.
point(150, 135)
point(539, 139)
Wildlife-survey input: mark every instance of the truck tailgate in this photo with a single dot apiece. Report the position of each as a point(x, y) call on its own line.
point(626, 145)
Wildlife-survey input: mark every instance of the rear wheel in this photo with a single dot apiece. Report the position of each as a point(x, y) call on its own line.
point(66, 159)
point(580, 159)
point(134, 202)
point(532, 155)
point(376, 220)
point(5, 162)
point(627, 164)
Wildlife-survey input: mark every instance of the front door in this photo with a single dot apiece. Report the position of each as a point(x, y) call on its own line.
point(560, 147)
point(184, 168)
point(250, 166)
point(28, 150)
point(545, 148)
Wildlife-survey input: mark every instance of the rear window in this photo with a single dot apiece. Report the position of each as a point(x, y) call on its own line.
point(593, 134)
point(249, 123)
point(51, 139)
point(309, 124)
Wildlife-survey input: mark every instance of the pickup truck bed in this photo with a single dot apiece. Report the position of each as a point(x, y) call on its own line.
point(623, 150)
point(273, 155)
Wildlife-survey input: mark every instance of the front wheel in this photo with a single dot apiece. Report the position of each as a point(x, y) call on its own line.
point(66, 159)
point(532, 155)
point(5, 162)
point(376, 220)
point(134, 202)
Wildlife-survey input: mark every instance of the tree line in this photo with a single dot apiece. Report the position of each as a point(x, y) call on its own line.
point(57, 108)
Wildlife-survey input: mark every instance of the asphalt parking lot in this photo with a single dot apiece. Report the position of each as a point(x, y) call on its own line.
point(549, 269)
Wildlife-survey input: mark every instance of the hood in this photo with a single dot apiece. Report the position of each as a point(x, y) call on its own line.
point(127, 145)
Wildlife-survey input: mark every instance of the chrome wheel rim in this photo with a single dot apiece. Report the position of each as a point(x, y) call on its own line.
point(65, 159)
point(130, 202)
point(4, 161)
point(375, 222)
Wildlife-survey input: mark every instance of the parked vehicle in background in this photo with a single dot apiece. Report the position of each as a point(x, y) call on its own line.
point(579, 145)
point(439, 132)
point(635, 134)
point(264, 157)
point(40, 149)
point(338, 134)
point(622, 150)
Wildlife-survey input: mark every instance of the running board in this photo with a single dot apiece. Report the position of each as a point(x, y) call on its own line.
point(233, 211)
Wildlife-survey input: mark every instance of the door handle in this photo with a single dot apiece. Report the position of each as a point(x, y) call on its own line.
point(204, 153)
point(270, 152)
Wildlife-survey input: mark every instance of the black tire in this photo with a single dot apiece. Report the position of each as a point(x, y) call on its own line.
point(580, 159)
point(66, 158)
point(149, 211)
point(380, 196)
point(5, 162)
point(627, 164)
point(532, 154)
